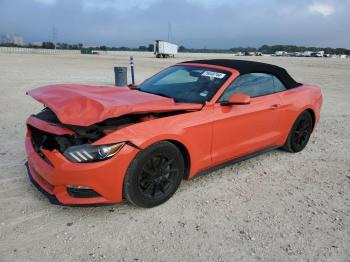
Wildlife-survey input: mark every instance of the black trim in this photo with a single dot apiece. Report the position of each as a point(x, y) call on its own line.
point(52, 198)
point(236, 160)
point(82, 193)
point(246, 67)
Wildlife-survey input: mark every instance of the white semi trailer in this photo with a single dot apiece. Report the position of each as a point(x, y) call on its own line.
point(164, 49)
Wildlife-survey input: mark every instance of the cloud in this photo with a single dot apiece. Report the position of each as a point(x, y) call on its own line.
point(46, 2)
point(195, 23)
point(321, 9)
point(91, 5)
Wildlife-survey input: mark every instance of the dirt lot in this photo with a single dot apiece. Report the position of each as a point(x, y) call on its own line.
point(275, 207)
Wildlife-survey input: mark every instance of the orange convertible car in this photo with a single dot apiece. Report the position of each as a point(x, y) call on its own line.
point(100, 144)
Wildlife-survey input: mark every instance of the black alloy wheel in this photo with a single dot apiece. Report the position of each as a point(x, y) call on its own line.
point(154, 175)
point(157, 176)
point(300, 133)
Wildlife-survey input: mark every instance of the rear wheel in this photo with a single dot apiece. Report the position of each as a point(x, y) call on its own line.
point(299, 134)
point(154, 175)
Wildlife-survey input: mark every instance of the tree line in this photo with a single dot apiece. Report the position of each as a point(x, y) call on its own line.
point(266, 49)
point(269, 49)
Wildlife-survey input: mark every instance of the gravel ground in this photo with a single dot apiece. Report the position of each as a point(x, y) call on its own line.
point(275, 207)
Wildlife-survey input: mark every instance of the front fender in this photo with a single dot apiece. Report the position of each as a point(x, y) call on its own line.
point(192, 130)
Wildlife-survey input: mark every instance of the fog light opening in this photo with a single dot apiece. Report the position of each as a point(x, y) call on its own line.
point(81, 191)
point(78, 187)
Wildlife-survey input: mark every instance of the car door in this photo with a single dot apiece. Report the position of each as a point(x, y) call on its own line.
point(242, 129)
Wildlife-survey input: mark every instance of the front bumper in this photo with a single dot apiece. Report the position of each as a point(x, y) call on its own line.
point(52, 173)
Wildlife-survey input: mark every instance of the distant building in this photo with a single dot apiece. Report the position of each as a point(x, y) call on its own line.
point(281, 53)
point(18, 40)
point(317, 54)
point(307, 53)
point(6, 39)
point(313, 53)
point(297, 54)
point(12, 39)
point(38, 44)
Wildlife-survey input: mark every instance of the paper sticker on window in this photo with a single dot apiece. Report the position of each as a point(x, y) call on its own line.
point(204, 93)
point(213, 74)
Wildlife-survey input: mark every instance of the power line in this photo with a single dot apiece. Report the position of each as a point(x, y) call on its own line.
point(54, 35)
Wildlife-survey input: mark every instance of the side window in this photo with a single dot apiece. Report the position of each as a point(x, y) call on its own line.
point(253, 85)
point(279, 86)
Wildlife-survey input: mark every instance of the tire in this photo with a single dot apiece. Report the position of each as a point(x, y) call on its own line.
point(299, 134)
point(154, 175)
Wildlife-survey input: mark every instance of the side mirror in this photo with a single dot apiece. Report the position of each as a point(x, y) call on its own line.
point(237, 99)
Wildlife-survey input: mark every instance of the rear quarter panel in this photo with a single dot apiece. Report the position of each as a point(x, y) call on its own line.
point(294, 102)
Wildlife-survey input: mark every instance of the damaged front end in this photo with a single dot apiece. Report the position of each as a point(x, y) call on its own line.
point(74, 142)
point(56, 153)
point(75, 116)
point(68, 140)
point(69, 135)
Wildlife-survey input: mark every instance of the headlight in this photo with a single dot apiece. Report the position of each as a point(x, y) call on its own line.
point(90, 153)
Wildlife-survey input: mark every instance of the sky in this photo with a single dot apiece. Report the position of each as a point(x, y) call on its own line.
point(194, 23)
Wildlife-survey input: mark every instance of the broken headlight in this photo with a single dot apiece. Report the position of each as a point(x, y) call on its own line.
point(89, 153)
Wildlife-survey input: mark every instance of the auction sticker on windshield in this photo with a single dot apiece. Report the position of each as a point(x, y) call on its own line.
point(213, 74)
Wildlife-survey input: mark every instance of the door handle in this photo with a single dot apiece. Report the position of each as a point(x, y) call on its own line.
point(275, 106)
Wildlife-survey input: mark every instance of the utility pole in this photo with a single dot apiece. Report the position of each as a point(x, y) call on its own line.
point(169, 31)
point(54, 36)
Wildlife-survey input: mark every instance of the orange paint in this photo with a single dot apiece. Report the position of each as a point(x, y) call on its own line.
point(212, 134)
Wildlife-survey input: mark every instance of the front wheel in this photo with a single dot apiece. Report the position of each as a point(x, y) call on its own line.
point(154, 175)
point(299, 134)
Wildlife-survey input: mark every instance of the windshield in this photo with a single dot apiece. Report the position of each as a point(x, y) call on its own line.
point(186, 83)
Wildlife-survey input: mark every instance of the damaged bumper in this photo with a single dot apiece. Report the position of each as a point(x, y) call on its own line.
point(56, 176)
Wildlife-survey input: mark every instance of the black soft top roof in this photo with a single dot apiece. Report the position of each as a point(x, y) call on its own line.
point(246, 67)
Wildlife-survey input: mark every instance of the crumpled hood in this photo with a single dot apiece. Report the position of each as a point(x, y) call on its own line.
point(84, 105)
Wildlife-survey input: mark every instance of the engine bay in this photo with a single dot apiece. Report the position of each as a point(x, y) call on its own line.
point(84, 134)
